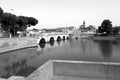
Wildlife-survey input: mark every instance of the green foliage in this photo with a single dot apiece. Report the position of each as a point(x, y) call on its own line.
point(25, 22)
point(106, 27)
point(115, 30)
point(8, 22)
point(1, 11)
point(12, 23)
point(22, 22)
point(32, 21)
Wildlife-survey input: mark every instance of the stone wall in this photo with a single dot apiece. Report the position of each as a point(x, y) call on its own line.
point(10, 44)
point(88, 69)
point(45, 72)
point(79, 69)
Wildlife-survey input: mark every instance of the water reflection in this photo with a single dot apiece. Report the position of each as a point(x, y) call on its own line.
point(73, 43)
point(24, 62)
point(42, 45)
point(115, 42)
point(39, 50)
point(83, 46)
point(58, 42)
point(105, 48)
point(52, 43)
point(18, 68)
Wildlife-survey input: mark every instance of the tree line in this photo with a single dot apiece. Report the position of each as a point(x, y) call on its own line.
point(106, 28)
point(11, 24)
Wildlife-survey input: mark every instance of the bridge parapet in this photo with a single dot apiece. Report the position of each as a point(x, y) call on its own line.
point(54, 33)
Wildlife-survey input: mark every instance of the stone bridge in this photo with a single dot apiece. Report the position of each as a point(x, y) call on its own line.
point(51, 37)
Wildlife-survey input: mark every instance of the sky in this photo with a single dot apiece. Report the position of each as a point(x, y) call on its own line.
point(65, 13)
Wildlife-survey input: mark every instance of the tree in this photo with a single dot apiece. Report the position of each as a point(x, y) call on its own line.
point(22, 21)
point(25, 22)
point(106, 27)
point(1, 11)
point(32, 21)
point(99, 30)
point(8, 23)
point(11, 24)
point(115, 30)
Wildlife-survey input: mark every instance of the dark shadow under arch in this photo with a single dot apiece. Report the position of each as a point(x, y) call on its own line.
point(63, 37)
point(51, 39)
point(51, 43)
point(67, 37)
point(58, 38)
point(42, 45)
point(42, 41)
point(58, 42)
point(76, 38)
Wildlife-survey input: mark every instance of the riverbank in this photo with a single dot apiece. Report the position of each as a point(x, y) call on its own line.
point(104, 38)
point(11, 44)
point(109, 38)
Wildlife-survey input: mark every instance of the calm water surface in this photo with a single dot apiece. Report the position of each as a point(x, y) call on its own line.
point(24, 62)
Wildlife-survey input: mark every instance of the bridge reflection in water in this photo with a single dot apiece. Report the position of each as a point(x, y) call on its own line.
point(24, 62)
point(42, 45)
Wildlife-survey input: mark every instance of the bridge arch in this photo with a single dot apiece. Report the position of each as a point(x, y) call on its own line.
point(51, 39)
point(76, 38)
point(58, 38)
point(48, 37)
point(63, 38)
point(42, 40)
point(67, 37)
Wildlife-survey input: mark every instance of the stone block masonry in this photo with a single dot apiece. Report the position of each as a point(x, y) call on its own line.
point(11, 44)
point(76, 70)
point(73, 70)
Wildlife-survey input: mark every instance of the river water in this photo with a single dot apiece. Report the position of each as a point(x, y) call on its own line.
point(25, 61)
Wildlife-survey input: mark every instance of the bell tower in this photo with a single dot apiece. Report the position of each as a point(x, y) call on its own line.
point(84, 24)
